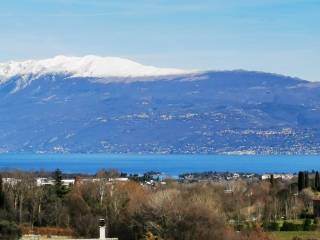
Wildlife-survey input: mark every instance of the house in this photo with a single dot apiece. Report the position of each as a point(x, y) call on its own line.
point(119, 179)
point(49, 181)
point(68, 182)
point(10, 181)
point(285, 176)
point(44, 181)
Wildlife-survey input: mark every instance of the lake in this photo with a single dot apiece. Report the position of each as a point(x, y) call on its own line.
point(172, 165)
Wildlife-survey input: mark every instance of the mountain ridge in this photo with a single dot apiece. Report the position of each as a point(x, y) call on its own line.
point(211, 112)
point(92, 66)
point(87, 66)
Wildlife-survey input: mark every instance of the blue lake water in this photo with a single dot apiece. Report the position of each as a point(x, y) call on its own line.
point(168, 164)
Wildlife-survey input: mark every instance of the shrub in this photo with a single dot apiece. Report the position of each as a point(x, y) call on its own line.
point(307, 224)
point(289, 226)
point(271, 226)
point(9, 230)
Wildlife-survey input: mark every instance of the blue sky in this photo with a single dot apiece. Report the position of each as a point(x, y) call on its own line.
point(280, 36)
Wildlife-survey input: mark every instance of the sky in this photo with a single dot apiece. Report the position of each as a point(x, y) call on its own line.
point(280, 36)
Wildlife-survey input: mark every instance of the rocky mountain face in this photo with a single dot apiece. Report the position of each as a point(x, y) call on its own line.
point(51, 109)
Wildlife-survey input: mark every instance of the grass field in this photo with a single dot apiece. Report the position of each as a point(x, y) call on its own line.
point(290, 235)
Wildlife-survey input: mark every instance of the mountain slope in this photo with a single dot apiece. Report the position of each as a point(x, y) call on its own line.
point(208, 112)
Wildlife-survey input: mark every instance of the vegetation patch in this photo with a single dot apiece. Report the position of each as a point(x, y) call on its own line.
point(296, 235)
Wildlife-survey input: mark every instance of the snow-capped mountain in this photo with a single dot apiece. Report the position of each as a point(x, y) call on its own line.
point(94, 104)
point(87, 66)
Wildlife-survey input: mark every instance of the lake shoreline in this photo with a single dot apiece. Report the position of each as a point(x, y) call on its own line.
point(172, 165)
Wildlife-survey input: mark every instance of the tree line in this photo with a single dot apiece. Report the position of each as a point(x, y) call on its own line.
point(235, 210)
point(304, 181)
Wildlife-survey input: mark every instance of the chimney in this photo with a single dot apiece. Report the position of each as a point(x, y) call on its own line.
point(102, 228)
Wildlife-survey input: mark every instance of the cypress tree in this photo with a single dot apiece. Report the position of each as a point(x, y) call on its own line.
point(306, 180)
point(317, 181)
point(300, 181)
point(59, 188)
point(272, 180)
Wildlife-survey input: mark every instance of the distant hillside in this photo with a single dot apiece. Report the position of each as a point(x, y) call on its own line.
point(171, 112)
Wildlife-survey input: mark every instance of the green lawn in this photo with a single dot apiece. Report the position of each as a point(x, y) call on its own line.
point(296, 221)
point(290, 235)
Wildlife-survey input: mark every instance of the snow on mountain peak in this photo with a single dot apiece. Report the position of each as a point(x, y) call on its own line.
point(87, 66)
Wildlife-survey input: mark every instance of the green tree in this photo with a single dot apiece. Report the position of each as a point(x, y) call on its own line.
point(301, 181)
point(317, 181)
point(306, 180)
point(60, 189)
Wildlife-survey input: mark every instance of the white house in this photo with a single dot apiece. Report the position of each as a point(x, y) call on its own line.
point(286, 176)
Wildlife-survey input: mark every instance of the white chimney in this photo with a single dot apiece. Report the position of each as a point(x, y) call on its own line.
point(102, 229)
